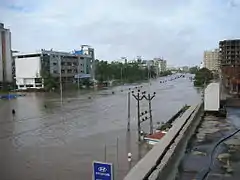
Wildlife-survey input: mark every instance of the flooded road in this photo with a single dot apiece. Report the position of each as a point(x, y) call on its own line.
point(49, 140)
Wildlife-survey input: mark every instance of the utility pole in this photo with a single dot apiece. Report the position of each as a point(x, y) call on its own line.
point(143, 116)
point(60, 77)
point(121, 74)
point(78, 72)
point(128, 125)
point(138, 97)
point(149, 99)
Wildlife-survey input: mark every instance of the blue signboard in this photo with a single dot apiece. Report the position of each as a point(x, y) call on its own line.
point(102, 171)
point(77, 52)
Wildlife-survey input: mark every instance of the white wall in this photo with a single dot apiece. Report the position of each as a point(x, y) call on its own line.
point(212, 97)
point(28, 67)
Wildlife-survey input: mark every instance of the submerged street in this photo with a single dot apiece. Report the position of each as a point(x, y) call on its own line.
point(49, 140)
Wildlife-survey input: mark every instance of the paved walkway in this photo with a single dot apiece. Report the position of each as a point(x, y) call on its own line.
point(226, 163)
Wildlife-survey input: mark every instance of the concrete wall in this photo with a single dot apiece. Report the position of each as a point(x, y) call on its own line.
point(168, 168)
point(163, 159)
point(9, 60)
point(5, 56)
point(28, 67)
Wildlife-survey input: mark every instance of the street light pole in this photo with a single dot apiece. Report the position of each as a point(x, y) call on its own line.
point(60, 77)
point(128, 125)
point(78, 72)
point(121, 74)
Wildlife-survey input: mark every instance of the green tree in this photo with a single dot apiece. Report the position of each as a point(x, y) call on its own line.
point(127, 72)
point(203, 76)
point(193, 70)
point(50, 82)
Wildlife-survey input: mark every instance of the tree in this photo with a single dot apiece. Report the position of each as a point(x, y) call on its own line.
point(50, 82)
point(126, 72)
point(203, 76)
point(193, 70)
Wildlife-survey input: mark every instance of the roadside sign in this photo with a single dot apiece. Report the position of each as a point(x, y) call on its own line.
point(102, 171)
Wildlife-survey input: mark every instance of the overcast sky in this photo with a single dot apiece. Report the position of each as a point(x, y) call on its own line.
point(178, 30)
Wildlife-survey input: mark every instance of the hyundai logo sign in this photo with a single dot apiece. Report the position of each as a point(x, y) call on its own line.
point(102, 171)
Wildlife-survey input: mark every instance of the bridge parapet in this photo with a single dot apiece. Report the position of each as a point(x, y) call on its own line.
point(162, 161)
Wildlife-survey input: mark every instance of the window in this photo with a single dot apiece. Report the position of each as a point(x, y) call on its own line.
point(55, 71)
point(81, 57)
point(81, 64)
point(29, 85)
point(54, 63)
point(62, 71)
point(38, 80)
point(69, 70)
point(69, 63)
point(39, 85)
point(21, 86)
point(62, 63)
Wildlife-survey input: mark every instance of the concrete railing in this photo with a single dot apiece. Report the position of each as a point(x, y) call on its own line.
point(163, 159)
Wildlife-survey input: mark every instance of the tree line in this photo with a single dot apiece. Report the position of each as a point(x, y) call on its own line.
point(125, 72)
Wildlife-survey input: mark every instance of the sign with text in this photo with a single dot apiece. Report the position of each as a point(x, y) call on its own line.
point(102, 171)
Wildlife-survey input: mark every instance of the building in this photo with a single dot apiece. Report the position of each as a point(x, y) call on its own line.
point(229, 53)
point(185, 68)
point(33, 68)
point(211, 60)
point(6, 60)
point(160, 65)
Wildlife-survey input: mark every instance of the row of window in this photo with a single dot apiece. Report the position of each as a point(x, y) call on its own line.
point(67, 71)
point(29, 86)
point(67, 64)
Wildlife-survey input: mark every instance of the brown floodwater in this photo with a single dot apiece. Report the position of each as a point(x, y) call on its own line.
point(60, 141)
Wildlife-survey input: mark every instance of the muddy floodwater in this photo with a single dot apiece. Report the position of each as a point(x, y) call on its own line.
point(47, 139)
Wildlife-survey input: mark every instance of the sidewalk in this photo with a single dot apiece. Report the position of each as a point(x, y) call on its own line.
point(226, 163)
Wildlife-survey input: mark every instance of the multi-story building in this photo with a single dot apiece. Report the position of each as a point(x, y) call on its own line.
point(229, 53)
point(185, 68)
point(160, 65)
point(32, 68)
point(6, 60)
point(211, 60)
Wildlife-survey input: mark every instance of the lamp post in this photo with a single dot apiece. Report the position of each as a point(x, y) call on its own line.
point(78, 72)
point(60, 77)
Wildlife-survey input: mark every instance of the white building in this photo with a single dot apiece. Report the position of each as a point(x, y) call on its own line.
point(211, 60)
point(160, 65)
point(69, 67)
point(28, 71)
point(6, 61)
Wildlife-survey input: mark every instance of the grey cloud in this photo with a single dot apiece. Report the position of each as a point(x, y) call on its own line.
point(179, 30)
